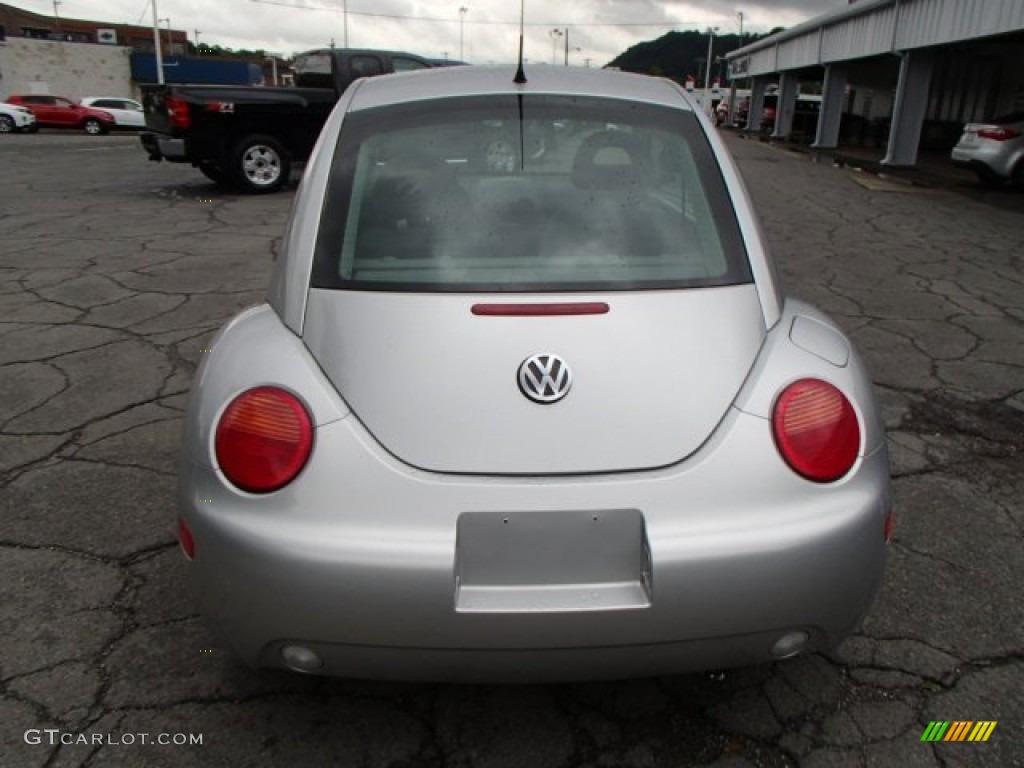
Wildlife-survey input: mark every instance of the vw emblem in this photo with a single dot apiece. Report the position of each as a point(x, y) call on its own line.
point(544, 378)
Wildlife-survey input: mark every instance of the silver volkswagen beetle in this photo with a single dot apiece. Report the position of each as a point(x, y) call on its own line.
point(527, 402)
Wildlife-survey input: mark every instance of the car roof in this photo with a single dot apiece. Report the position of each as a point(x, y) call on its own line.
point(448, 82)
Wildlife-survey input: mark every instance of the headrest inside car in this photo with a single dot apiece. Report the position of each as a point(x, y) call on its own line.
point(607, 160)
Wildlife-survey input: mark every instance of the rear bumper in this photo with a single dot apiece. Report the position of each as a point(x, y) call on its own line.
point(363, 561)
point(160, 147)
point(534, 665)
point(984, 160)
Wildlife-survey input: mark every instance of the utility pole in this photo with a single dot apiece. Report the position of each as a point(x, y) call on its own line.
point(196, 31)
point(463, 10)
point(56, 16)
point(555, 34)
point(567, 46)
point(731, 114)
point(156, 45)
point(344, 8)
point(707, 72)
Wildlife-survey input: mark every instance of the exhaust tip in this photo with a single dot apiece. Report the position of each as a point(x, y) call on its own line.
point(300, 658)
point(789, 645)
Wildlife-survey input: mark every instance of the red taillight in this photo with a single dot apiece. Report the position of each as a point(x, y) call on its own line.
point(188, 544)
point(816, 430)
point(177, 110)
point(998, 134)
point(263, 439)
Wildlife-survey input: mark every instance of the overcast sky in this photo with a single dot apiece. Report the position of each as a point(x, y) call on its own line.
point(600, 29)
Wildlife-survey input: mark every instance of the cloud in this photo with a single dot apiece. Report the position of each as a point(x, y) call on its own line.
point(599, 29)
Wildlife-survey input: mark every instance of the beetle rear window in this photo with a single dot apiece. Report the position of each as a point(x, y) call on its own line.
point(531, 193)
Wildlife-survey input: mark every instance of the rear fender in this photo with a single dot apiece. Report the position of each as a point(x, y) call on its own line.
point(253, 349)
point(807, 344)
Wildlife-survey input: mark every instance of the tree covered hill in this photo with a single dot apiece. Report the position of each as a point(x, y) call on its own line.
point(679, 55)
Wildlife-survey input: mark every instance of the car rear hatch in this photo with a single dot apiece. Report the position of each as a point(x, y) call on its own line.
point(439, 386)
point(459, 243)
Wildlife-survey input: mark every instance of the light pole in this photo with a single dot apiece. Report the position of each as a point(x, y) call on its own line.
point(344, 10)
point(707, 72)
point(463, 10)
point(196, 31)
point(555, 34)
point(156, 46)
point(731, 112)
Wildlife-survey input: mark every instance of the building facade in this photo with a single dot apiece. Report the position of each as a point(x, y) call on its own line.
point(78, 57)
point(58, 68)
point(903, 73)
point(16, 22)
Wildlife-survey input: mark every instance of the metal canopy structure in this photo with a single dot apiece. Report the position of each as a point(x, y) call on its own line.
point(904, 36)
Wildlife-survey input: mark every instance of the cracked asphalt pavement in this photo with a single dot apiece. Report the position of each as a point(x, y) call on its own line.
point(114, 274)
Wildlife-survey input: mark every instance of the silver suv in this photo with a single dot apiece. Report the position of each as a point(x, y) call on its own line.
point(994, 150)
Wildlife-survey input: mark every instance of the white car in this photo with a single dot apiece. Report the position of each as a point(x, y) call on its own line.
point(14, 118)
point(994, 150)
point(127, 113)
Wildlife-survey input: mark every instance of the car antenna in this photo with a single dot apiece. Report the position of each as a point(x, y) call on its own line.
point(520, 77)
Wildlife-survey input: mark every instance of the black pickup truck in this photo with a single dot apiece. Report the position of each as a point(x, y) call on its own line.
point(248, 136)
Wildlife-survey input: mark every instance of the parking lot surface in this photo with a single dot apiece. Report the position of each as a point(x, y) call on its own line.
point(114, 274)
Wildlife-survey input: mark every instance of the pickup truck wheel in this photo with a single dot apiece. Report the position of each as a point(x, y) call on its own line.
point(260, 164)
point(93, 127)
point(6, 124)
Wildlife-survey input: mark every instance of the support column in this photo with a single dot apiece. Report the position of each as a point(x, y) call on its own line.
point(730, 113)
point(756, 110)
point(909, 108)
point(832, 98)
point(785, 105)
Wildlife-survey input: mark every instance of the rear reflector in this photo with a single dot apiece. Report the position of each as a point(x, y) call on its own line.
point(188, 544)
point(540, 310)
point(816, 430)
point(263, 439)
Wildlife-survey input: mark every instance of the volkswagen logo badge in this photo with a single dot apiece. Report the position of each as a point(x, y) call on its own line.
point(544, 378)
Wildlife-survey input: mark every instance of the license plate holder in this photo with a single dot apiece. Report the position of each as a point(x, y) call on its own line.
point(558, 561)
